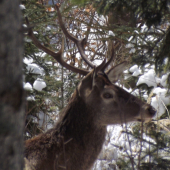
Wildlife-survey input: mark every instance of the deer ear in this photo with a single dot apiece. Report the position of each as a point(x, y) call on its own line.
point(86, 85)
point(115, 72)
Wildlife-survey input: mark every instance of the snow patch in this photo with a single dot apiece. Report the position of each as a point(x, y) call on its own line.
point(160, 101)
point(39, 84)
point(28, 86)
point(34, 68)
point(135, 70)
point(148, 78)
point(22, 7)
point(164, 80)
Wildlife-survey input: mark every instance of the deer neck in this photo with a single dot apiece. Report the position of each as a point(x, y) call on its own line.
point(82, 138)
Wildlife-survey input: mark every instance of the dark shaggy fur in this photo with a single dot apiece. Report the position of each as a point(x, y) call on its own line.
point(56, 148)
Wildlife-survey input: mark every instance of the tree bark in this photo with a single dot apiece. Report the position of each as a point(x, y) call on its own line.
point(11, 86)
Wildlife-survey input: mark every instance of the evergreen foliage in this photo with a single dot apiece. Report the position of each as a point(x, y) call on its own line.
point(41, 106)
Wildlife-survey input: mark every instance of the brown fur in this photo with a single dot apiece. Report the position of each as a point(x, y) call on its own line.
point(68, 134)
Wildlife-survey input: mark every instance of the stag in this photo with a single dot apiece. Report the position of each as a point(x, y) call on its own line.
point(76, 140)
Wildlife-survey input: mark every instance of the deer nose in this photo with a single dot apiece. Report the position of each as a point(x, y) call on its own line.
point(152, 111)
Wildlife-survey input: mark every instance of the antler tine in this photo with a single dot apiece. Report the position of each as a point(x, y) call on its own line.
point(57, 56)
point(79, 43)
point(109, 61)
point(101, 66)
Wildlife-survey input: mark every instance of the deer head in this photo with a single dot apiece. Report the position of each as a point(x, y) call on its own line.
point(112, 104)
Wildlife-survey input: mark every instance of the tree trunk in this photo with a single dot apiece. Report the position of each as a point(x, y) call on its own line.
point(11, 87)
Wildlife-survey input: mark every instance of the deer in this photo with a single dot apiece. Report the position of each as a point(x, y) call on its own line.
point(76, 140)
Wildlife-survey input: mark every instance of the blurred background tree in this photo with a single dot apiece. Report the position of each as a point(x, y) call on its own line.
point(11, 87)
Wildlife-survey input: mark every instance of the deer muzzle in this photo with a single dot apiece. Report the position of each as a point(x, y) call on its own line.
point(146, 114)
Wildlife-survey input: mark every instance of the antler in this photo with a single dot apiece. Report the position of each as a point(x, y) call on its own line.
point(57, 56)
point(109, 61)
point(79, 43)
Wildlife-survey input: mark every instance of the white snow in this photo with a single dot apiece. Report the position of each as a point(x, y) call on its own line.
point(144, 28)
point(164, 79)
point(130, 39)
point(115, 139)
point(132, 50)
point(39, 84)
point(158, 80)
point(35, 32)
point(48, 28)
point(22, 7)
point(146, 65)
point(30, 98)
point(166, 60)
point(34, 68)
point(28, 86)
point(111, 33)
point(160, 101)
point(43, 118)
point(148, 78)
point(27, 60)
point(137, 73)
point(41, 54)
point(129, 45)
point(135, 70)
point(24, 25)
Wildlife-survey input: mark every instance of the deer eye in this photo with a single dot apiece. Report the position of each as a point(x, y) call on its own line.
point(107, 95)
